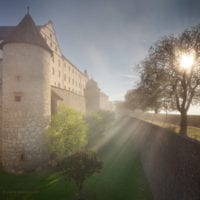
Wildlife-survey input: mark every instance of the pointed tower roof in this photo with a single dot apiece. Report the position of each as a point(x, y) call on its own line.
point(27, 32)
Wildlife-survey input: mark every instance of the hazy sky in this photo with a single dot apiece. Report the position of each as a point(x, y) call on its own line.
point(107, 37)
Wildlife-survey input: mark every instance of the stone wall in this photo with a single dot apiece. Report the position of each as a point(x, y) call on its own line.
point(26, 105)
point(63, 74)
point(67, 98)
point(92, 96)
point(171, 163)
point(0, 102)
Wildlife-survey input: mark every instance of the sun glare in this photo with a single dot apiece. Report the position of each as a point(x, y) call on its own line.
point(187, 60)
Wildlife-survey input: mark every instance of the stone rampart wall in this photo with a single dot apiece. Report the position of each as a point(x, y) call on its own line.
point(0, 103)
point(69, 99)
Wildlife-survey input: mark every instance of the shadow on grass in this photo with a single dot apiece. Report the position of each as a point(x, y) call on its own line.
point(121, 178)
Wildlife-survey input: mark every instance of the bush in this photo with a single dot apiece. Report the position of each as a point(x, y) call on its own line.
point(79, 166)
point(98, 122)
point(67, 132)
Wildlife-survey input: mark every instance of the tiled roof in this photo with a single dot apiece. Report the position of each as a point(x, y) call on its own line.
point(26, 32)
point(5, 31)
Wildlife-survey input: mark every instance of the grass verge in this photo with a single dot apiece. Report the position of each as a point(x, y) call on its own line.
point(192, 132)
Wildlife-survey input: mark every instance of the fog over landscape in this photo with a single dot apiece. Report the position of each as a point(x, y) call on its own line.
point(108, 38)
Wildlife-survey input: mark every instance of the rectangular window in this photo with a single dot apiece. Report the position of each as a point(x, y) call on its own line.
point(58, 62)
point(18, 78)
point(17, 96)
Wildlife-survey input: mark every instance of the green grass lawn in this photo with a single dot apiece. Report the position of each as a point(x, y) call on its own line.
point(192, 132)
point(121, 178)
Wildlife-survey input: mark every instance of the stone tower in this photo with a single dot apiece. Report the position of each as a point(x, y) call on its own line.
point(25, 97)
point(92, 96)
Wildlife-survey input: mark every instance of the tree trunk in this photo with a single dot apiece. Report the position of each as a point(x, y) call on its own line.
point(183, 123)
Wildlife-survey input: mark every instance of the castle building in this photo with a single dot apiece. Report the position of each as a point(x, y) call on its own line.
point(34, 78)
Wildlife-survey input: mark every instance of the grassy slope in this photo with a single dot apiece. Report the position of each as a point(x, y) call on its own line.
point(192, 132)
point(122, 177)
point(29, 187)
point(172, 123)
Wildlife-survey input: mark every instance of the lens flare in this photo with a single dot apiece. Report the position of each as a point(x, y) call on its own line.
point(187, 60)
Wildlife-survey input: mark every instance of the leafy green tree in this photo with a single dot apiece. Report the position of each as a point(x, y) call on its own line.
point(80, 166)
point(164, 77)
point(143, 99)
point(67, 132)
point(98, 122)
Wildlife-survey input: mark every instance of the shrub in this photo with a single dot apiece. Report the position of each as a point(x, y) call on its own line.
point(67, 132)
point(79, 166)
point(98, 122)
